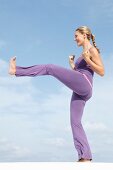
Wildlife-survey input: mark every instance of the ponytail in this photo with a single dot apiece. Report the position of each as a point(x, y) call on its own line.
point(94, 43)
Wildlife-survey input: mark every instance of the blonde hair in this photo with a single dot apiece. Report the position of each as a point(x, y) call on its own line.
point(87, 31)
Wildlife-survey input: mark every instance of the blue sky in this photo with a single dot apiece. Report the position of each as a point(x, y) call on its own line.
point(34, 112)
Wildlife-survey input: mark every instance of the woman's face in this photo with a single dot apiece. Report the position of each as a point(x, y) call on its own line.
point(79, 38)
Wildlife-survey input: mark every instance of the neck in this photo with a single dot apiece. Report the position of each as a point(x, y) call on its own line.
point(86, 45)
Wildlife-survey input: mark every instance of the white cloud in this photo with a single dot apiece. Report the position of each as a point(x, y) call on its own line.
point(9, 151)
point(60, 142)
point(97, 127)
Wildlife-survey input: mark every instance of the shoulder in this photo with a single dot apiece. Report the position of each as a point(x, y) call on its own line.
point(93, 50)
point(95, 56)
point(94, 53)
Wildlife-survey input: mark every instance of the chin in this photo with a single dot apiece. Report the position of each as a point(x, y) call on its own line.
point(79, 45)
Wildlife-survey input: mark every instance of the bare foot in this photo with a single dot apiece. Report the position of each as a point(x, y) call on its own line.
point(84, 160)
point(12, 66)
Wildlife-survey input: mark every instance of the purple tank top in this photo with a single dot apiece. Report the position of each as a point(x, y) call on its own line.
point(83, 67)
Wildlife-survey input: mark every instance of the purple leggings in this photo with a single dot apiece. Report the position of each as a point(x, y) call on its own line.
point(82, 91)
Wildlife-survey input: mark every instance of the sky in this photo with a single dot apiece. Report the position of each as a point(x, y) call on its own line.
point(35, 112)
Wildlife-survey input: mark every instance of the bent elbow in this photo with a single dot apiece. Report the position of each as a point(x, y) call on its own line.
point(102, 73)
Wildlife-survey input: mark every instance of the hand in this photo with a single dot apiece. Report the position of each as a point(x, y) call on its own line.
point(71, 61)
point(71, 58)
point(86, 55)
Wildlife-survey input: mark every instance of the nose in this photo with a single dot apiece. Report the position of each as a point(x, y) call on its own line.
point(74, 39)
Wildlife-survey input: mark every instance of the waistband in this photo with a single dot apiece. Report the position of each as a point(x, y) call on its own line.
point(87, 72)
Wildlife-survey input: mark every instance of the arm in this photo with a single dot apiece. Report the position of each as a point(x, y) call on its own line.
point(93, 58)
point(71, 62)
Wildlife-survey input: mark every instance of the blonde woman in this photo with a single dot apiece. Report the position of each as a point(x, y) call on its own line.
point(79, 79)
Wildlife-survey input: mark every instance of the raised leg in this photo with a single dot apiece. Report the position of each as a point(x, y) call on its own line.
point(71, 78)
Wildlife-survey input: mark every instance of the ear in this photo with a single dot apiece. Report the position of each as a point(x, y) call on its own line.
point(84, 36)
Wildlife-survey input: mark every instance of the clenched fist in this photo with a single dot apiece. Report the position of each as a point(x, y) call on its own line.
point(71, 61)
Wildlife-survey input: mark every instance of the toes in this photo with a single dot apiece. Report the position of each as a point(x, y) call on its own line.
point(13, 58)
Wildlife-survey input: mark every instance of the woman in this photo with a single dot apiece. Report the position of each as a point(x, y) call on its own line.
point(79, 80)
